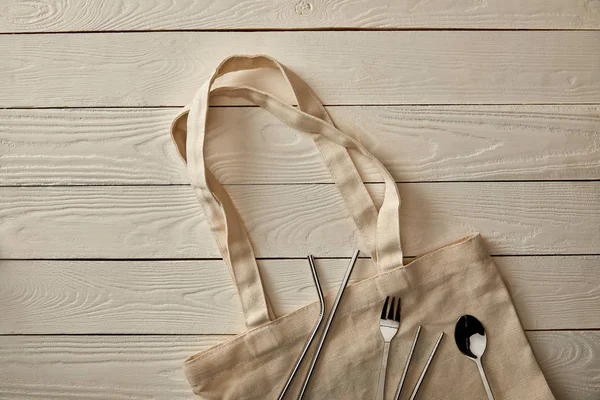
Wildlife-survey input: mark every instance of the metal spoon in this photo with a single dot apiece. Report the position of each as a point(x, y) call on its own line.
point(471, 340)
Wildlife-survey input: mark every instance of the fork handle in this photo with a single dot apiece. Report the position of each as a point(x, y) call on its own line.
point(383, 370)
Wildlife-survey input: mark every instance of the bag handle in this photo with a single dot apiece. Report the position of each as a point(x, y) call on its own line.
point(381, 230)
point(345, 174)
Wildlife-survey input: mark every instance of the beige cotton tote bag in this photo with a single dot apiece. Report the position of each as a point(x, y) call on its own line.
point(436, 288)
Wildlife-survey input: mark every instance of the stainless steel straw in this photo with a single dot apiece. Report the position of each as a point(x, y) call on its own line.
point(336, 303)
point(315, 276)
point(408, 359)
point(418, 385)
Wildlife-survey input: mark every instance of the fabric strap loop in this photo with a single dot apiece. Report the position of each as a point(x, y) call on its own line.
point(381, 230)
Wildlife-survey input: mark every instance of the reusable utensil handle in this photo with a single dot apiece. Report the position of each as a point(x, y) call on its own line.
point(383, 371)
point(336, 303)
point(407, 364)
point(315, 275)
point(426, 368)
point(486, 384)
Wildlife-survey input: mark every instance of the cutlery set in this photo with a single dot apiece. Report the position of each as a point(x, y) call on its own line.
point(389, 325)
point(469, 335)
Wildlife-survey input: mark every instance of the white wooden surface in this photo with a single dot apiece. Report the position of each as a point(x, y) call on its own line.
point(294, 220)
point(109, 277)
point(416, 143)
point(149, 366)
point(171, 297)
point(382, 67)
point(109, 15)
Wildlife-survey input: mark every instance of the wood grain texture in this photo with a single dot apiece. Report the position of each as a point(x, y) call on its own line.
point(555, 350)
point(552, 285)
point(88, 146)
point(108, 15)
point(295, 220)
point(198, 297)
point(149, 367)
point(248, 145)
point(372, 77)
point(345, 67)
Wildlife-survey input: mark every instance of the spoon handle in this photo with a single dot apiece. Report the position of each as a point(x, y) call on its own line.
point(486, 384)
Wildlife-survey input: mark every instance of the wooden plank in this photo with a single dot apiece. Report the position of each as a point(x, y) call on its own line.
point(88, 146)
point(295, 220)
point(149, 367)
point(111, 15)
point(97, 367)
point(345, 67)
point(577, 351)
point(540, 285)
point(197, 297)
point(450, 143)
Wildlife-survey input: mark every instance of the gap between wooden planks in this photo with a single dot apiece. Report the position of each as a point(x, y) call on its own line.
point(108, 15)
point(515, 218)
point(149, 367)
point(249, 146)
point(186, 297)
point(344, 67)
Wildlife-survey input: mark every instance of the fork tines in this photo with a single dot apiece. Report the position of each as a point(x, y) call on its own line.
point(391, 311)
point(388, 324)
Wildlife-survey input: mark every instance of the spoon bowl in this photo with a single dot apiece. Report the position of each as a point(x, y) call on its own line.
point(470, 337)
point(471, 340)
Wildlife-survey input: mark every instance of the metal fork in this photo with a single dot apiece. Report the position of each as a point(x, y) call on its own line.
point(389, 324)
